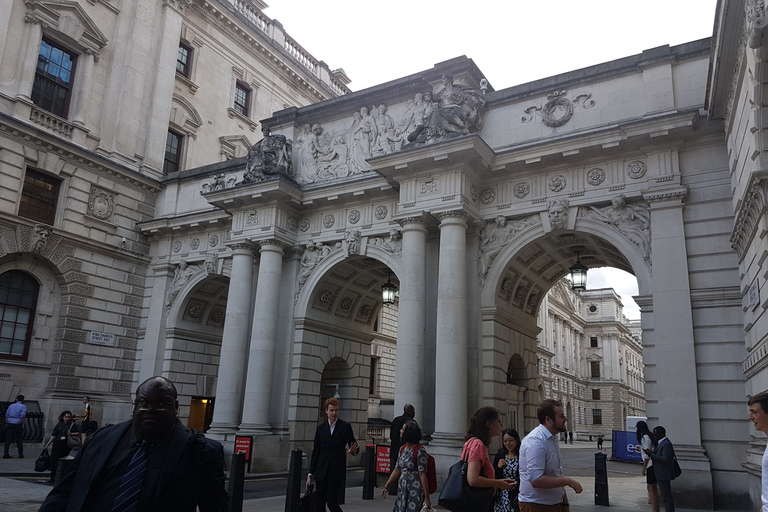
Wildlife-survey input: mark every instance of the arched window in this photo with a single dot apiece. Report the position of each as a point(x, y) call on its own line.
point(18, 298)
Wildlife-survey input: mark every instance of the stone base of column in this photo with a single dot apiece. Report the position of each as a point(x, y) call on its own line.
point(447, 440)
point(223, 429)
point(254, 429)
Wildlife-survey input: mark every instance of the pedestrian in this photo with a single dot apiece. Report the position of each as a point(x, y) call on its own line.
point(663, 457)
point(507, 465)
point(64, 428)
point(87, 416)
point(410, 472)
point(14, 430)
point(484, 425)
point(329, 465)
point(645, 438)
point(542, 484)
point(758, 415)
point(599, 442)
point(409, 413)
point(151, 462)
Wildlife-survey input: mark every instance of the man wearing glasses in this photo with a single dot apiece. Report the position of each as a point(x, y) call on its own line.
point(151, 462)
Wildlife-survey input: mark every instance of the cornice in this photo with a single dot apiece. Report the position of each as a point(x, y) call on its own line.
point(752, 209)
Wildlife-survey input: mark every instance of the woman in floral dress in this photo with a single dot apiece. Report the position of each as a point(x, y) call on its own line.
point(507, 465)
point(413, 476)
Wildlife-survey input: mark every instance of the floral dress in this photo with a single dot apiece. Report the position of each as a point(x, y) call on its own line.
point(505, 498)
point(410, 493)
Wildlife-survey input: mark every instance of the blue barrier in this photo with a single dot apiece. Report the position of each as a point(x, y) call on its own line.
point(625, 446)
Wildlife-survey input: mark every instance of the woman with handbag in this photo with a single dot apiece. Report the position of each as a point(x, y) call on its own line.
point(484, 425)
point(411, 471)
point(59, 437)
point(645, 438)
point(507, 465)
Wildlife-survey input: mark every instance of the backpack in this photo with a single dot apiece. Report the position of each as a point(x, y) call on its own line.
point(431, 471)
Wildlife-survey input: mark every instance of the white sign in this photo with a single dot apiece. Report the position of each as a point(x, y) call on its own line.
point(101, 338)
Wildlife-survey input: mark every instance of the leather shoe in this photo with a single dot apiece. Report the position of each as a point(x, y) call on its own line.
point(21, 456)
point(6, 456)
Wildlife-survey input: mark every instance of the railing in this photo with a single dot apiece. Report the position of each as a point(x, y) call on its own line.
point(298, 53)
point(51, 122)
point(253, 14)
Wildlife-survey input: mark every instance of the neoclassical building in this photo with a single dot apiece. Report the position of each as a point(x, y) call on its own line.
point(186, 191)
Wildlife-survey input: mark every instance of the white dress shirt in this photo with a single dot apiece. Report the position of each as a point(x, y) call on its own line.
point(539, 456)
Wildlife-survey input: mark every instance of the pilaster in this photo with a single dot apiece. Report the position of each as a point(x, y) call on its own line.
point(153, 345)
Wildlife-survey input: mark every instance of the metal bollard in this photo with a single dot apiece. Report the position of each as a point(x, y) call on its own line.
point(601, 479)
point(293, 490)
point(236, 482)
point(369, 479)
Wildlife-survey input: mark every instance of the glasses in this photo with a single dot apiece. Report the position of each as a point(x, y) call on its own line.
point(143, 405)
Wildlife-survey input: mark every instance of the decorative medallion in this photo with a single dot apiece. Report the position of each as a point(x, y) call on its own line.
point(176, 246)
point(304, 224)
point(101, 204)
point(595, 176)
point(195, 311)
point(365, 310)
point(636, 169)
point(217, 316)
point(354, 216)
point(506, 286)
point(487, 196)
point(557, 111)
point(194, 243)
point(329, 220)
point(474, 192)
point(325, 297)
point(592, 309)
point(293, 224)
point(252, 217)
point(346, 304)
point(380, 212)
point(213, 241)
point(521, 190)
point(557, 183)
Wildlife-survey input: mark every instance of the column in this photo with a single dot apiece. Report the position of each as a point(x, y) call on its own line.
point(409, 366)
point(234, 343)
point(261, 359)
point(153, 344)
point(27, 63)
point(82, 89)
point(451, 332)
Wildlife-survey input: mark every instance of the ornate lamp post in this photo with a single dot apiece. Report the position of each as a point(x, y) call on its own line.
point(388, 291)
point(578, 272)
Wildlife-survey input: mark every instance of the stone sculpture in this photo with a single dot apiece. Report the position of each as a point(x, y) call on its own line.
point(181, 277)
point(631, 220)
point(40, 238)
point(393, 244)
point(352, 240)
point(495, 236)
point(558, 213)
point(211, 263)
point(268, 157)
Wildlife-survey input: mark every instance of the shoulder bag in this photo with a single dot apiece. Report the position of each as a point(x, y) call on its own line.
point(74, 442)
point(458, 496)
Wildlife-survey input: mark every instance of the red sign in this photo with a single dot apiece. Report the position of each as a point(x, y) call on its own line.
point(243, 444)
point(382, 459)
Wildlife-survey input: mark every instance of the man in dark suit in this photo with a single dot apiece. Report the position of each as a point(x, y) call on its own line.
point(329, 463)
point(409, 412)
point(663, 458)
point(150, 463)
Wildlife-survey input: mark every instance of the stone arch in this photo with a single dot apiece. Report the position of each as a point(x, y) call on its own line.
point(184, 117)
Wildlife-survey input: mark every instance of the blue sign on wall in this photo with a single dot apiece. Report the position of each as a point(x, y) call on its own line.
point(625, 447)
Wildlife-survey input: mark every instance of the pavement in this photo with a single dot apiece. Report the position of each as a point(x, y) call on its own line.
point(23, 490)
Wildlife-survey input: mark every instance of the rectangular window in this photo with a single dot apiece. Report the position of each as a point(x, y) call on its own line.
point(172, 152)
point(593, 341)
point(184, 60)
point(372, 381)
point(597, 416)
point(595, 394)
point(39, 197)
point(595, 367)
point(242, 99)
point(52, 88)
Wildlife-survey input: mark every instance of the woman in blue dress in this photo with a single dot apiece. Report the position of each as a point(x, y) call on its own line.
point(412, 474)
point(507, 465)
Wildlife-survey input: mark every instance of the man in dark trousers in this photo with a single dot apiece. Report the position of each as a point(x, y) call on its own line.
point(394, 433)
point(151, 462)
point(14, 428)
point(329, 463)
point(663, 458)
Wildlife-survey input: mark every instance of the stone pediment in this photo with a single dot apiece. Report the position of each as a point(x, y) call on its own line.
point(69, 19)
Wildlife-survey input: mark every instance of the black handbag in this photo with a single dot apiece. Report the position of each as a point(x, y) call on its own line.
point(43, 462)
point(458, 496)
point(676, 472)
point(307, 502)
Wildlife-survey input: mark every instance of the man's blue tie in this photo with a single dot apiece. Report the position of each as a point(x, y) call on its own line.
point(130, 486)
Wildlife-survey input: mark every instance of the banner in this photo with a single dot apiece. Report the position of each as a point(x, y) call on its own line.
point(625, 447)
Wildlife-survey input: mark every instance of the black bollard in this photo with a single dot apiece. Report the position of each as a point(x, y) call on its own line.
point(236, 482)
point(293, 491)
point(369, 478)
point(601, 479)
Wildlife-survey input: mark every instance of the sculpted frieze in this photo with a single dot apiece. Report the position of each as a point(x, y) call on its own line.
point(558, 109)
point(393, 244)
point(181, 277)
point(632, 221)
point(313, 254)
point(268, 157)
point(497, 234)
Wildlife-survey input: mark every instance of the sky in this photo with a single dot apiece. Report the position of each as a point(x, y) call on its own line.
point(511, 41)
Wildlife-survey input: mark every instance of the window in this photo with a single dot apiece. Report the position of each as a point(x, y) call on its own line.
point(184, 60)
point(372, 381)
point(18, 298)
point(38, 197)
point(595, 367)
point(172, 152)
point(597, 416)
point(595, 394)
point(593, 341)
point(242, 99)
point(52, 88)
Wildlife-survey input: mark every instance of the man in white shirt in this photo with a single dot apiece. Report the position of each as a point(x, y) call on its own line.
point(758, 414)
point(14, 428)
point(542, 484)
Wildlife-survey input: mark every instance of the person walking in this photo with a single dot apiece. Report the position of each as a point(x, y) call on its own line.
point(645, 438)
point(410, 472)
point(14, 429)
point(409, 413)
point(507, 465)
point(64, 428)
point(663, 457)
point(758, 415)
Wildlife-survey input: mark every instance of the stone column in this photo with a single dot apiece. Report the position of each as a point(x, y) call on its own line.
point(409, 369)
point(27, 63)
point(153, 344)
point(234, 343)
point(451, 332)
point(82, 89)
point(261, 358)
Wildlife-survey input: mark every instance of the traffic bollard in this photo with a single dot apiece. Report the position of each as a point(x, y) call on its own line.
point(601, 479)
point(236, 482)
point(293, 491)
point(369, 478)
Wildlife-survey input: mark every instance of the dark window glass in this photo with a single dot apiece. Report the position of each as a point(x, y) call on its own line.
point(184, 59)
point(172, 152)
point(18, 297)
point(38, 197)
point(595, 366)
point(242, 99)
point(372, 381)
point(597, 416)
point(593, 341)
point(53, 78)
point(595, 394)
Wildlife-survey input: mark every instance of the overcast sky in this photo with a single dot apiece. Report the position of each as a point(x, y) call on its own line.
point(511, 41)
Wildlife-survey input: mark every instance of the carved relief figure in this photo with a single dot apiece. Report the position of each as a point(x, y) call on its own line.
point(385, 128)
point(40, 238)
point(632, 221)
point(558, 213)
point(181, 276)
point(495, 236)
point(359, 145)
point(270, 156)
point(309, 260)
point(211, 263)
point(393, 244)
point(352, 239)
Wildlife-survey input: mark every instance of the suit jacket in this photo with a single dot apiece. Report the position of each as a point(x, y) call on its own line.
point(663, 458)
point(329, 455)
point(394, 434)
point(192, 474)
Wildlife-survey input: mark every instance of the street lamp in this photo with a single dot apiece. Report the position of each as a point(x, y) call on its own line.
point(578, 272)
point(388, 291)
